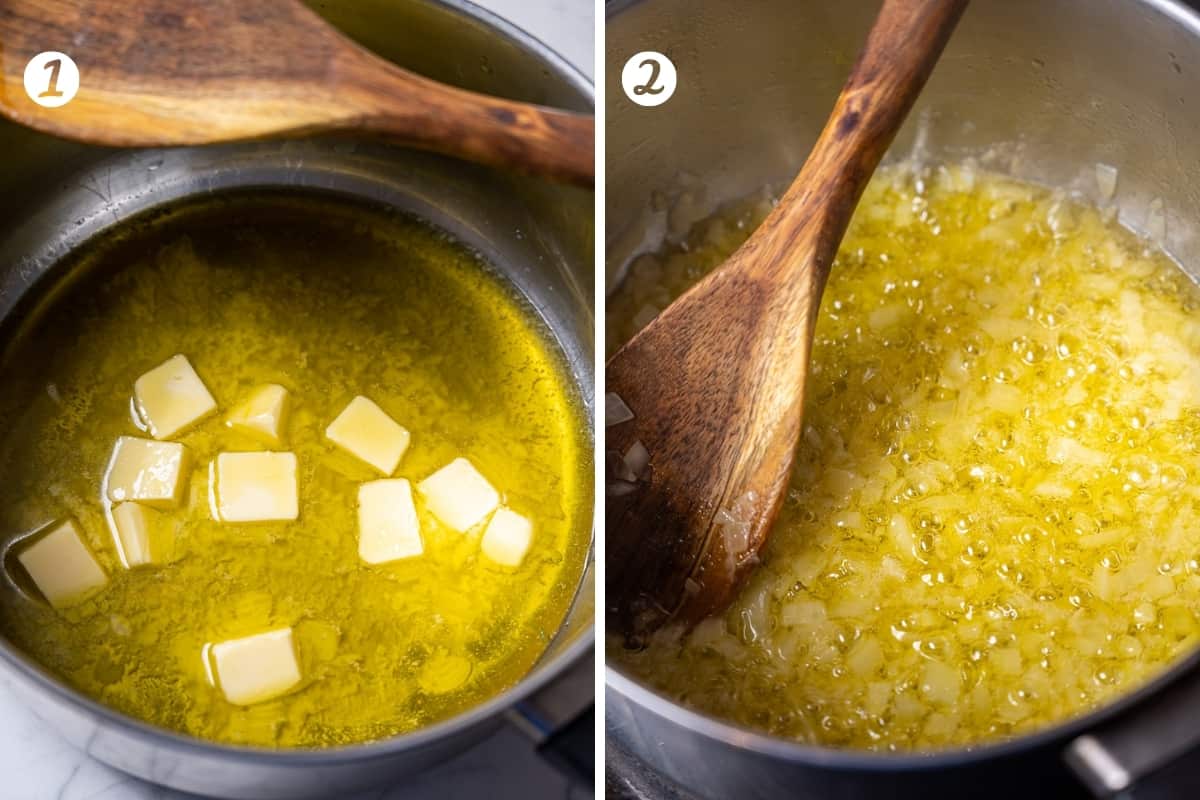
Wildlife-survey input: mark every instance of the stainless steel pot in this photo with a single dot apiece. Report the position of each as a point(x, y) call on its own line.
point(1041, 89)
point(54, 195)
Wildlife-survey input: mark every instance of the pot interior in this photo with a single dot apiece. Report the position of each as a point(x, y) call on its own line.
point(1025, 89)
point(537, 236)
point(1028, 88)
point(286, 288)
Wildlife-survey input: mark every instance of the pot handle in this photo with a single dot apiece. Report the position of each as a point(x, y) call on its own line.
point(560, 718)
point(1133, 753)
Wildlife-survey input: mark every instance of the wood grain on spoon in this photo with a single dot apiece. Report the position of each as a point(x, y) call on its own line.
point(716, 382)
point(183, 72)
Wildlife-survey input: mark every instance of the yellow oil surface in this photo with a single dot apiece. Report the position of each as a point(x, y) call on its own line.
point(994, 522)
point(330, 300)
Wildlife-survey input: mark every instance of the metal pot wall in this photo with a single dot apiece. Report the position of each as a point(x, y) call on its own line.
point(54, 195)
point(1040, 89)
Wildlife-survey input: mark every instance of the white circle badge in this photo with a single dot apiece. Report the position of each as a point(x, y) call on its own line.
point(649, 78)
point(51, 79)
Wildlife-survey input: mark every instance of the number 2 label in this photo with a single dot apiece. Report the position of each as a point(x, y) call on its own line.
point(649, 78)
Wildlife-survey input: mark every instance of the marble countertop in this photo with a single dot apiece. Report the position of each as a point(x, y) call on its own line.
point(38, 765)
point(566, 25)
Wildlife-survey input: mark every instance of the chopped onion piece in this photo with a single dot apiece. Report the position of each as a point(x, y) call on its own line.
point(1156, 222)
point(1106, 179)
point(734, 525)
point(619, 488)
point(618, 469)
point(615, 410)
point(637, 458)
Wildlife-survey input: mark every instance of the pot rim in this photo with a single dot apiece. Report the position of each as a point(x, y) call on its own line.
point(17, 664)
point(777, 747)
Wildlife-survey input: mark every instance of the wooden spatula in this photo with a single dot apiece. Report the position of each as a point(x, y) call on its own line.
point(183, 72)
point(716, 382)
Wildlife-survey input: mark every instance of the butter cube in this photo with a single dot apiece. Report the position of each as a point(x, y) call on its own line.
point(255, 487)
point(507, 538)
point(62, 567)
point(458, 495)
point(262, 414)
point(387, 522)
point(256, 668)
point(366, 432)
point(444, 673)
point(134, 525)
point(146, 471)
point(171, 397)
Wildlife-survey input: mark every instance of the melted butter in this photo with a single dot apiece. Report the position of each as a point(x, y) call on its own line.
point(993, 524)
point(329, 300)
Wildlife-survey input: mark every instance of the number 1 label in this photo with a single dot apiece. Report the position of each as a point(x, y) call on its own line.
point(52, 90)
point(51, 79)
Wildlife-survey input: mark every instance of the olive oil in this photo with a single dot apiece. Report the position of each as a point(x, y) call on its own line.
point(329, 299)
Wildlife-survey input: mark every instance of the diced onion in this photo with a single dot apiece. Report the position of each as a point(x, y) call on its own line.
point(637, 458)
point(1106, 181)
point(618, 468)
point(1156, 222)
point(615, 410)
point(994, 519)
point(619, 488)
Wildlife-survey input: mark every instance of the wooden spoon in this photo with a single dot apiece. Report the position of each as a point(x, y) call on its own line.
point(185, 72)
point(716, 382)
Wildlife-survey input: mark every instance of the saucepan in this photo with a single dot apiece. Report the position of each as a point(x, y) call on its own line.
point(56, 195)
point(1039, 89)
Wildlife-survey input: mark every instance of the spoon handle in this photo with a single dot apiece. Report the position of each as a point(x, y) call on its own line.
point(190, 72)
point(488, 130)
point(717, 380)
point(900, 52)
